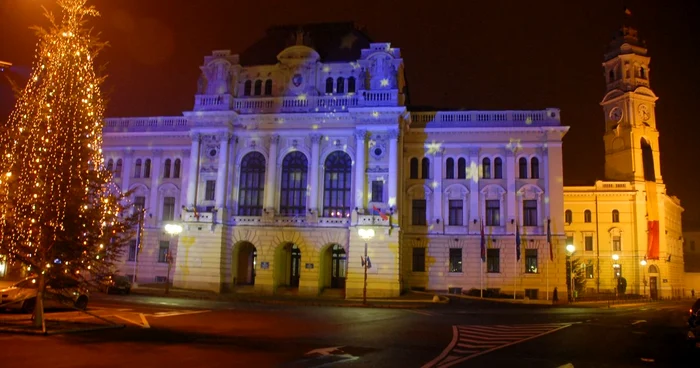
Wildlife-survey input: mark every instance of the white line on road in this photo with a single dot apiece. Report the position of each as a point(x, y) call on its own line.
point(172, 314)
point(638, 322)
point(145, 321)
point(420, 312)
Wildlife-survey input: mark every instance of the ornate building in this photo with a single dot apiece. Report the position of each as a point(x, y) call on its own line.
point(301, 143)
point(627, 229)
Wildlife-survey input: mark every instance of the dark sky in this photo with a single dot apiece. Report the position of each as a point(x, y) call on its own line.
point(463, 54)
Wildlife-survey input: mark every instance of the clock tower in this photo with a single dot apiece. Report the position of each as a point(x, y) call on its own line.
point(631, 138)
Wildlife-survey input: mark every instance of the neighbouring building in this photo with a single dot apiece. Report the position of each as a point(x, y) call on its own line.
point(627, 228)
point(298, 146)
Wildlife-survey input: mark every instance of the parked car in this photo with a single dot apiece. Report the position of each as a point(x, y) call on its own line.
point(694, 324)
point(115, 283)
point(60, 292)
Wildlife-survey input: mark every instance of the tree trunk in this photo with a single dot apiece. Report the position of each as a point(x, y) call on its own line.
point(39, 304)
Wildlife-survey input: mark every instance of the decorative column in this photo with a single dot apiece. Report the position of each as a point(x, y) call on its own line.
point(230, 176)
point(126, 169)
point(184, 163)
point(393, 168)
point(193, 177)
point(155, 182)
point(473, 172)
point(436, 185)
point(360, 180)
point(512, 206)
point(270, 180)
point(545, 163)
point(315, 147)
point(220, 190)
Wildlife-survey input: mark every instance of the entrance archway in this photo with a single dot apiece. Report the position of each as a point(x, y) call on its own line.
point(246, 262)
point(653, 282)
point(338, 266)
point(288, 270)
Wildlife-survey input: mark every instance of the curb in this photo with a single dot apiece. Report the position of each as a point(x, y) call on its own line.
point(499, 300)
point(58, 332)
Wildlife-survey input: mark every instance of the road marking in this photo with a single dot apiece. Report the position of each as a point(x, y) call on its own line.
point(648, 360)
point(142, 319)
point(420, 312)
point(470, 341)
point(179, 313)
point(325, 357)
point(638, 322)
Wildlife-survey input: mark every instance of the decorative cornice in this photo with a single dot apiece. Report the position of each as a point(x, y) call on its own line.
point(377, 169)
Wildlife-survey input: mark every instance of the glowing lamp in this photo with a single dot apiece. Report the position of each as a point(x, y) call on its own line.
point(615, 257)
point(570, 248)
point(173, 229)
point(643, 262)
point(366, 234)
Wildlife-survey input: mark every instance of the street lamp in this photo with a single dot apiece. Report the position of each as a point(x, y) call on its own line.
point(643, 263)
point(366, 235)
point(616, 270)
point(571, 249)
point(173, 230)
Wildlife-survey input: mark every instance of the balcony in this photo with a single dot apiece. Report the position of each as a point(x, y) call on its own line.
point(150, 124)
point(213, 102)
point(506, 118)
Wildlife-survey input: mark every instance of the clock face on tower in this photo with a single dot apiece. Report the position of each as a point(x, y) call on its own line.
point(644, 112)
point(616, 114)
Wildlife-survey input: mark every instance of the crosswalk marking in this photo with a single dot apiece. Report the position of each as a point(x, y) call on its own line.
point(470, 341)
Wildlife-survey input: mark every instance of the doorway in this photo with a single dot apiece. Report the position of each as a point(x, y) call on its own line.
point(338, 266)
point(653, 288)
point(246, 264)
point(294, 266)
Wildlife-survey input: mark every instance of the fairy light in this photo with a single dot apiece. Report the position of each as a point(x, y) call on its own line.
point(54, 180)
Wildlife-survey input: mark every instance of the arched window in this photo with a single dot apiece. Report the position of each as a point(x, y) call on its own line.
point(176, 168)
point(340, 85)
point(137, 168)
point(351, 85)
point(337, 181)
point(425, 168)
point(648, 161)
point(110, 165)
point(414, 168)
point(450, 168)
point(486, 168)
point(611, 76)
point(522, 163)
point(535, 168)
point(295, 167)
point(615, 216)
point(147, 168)
point(251, 184)
point(568, 217)
point(246, 88)
point(268, 87)
point(498, 168)
point(329, 85)
point(118, 169)
point(587, 216)
point(258, 87)
point(643, 73)
point(461, 168)
point(166, 168)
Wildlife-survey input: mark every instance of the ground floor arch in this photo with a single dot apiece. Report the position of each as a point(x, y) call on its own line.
point(288, 265)
point(654, 282)
point(245, 264)
point(333, 271)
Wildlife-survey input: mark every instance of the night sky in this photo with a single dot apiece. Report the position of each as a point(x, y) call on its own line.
point(480, 55)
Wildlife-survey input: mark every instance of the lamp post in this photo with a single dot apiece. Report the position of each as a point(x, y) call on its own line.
point(616, 267)
point(366, 235)
point(173, 230)
point(571, 249)
point(643, 263)
point(139, 239)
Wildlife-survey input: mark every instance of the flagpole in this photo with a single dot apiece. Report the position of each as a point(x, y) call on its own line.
point(481, 280)
point(547, 276)
point(515, 266)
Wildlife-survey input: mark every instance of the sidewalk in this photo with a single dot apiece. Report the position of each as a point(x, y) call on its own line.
point(408, 300)
point(23, 324)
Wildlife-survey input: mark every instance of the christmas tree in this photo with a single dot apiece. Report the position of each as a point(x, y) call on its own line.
point(59, 213)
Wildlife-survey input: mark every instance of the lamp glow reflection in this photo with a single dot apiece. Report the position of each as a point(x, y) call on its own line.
point(173, 229)
point(366, 235)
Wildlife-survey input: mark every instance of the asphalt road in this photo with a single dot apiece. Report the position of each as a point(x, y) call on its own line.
point(166, 332)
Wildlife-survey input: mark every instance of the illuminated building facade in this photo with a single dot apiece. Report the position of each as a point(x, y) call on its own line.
point(628, 227)
point(305, 138)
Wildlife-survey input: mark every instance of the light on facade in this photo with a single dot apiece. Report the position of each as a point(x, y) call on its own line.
point(570, 248)
point(173, 229)
point(643, 262)
point(615, 257)
point(366, 234)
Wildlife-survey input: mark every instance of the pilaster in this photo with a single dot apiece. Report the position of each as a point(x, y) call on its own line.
point(193, 177)
point(360, 178)
point(271, 175)
point(313, 197)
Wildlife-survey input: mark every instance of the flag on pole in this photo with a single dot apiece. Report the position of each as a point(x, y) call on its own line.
point(517, 241)
point(549, 240)
point(377, 212)
point(628, 12)
point(483, 243)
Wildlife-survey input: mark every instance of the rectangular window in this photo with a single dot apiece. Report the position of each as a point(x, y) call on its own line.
point(589, 271)
point(418, 259)
point(455, 259)
point(493, 260)
point(132, 251)
point(210, 190)
point(139, 203)
point(531, 260)
point(419, 212)
point(530, 212)
point(168, 209)
point(589, 243)
point(163, 248)
point(617, 244)
point(493, 212)
point(456, 209)
point(377, 191)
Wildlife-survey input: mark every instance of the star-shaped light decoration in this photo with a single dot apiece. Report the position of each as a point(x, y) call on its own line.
point(301, 97)
point(473, 172)
point(354, 64)
point(375, 114)
point(326, 69)
point(385, 82)
point(528, 121)
point(433, 147)
point(348, 41)
point(514, 145)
